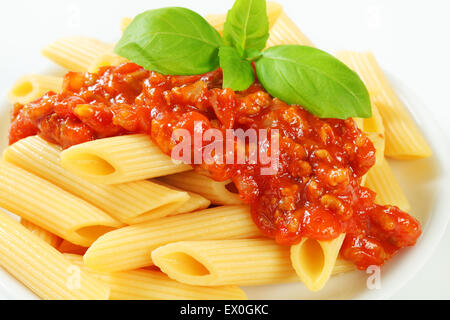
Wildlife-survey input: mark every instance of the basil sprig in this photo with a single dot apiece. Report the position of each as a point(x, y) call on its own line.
point(179, 41)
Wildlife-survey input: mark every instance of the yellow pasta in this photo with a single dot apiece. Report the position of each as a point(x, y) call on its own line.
point(403, 138)
point(128, 202)
point(195, 202)
point(225, 262)
point(50, 207)
point(238, 262)
point(155, 285)
point(273, 12)
point(381, 179)
point(125, 23)
point(76, 53)
point(43, 234)
point(314, 261)
point(130, 247)
point(32, 87)
point(119, 159)
point(104, 60)
point(43, 269)
point(375, 122)
point(285, 31)
point(215, 191)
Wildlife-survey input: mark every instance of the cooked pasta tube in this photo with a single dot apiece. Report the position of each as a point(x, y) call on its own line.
point(215, 191)
point(239, 262)
point(104, 60)
point(314, 261)
point(403, 138)
point(48, 237)
point(119, 159)
point(50, 207)
point(43, 269)
point(225, 262)
point(195, 202)
point(273, 12)
point(285, 31)
point(32, 87)
point(375, 122)
point(155, 285)
point(76, 53)
point(130, 247)
point(381, 179)
point(128, 202)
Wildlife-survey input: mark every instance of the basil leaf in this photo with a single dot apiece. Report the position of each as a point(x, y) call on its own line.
point(247, 25)
point(315, 80)
point(172, 40)
point(238, 73)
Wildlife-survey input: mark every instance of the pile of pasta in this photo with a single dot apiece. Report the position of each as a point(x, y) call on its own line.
point(116, 218)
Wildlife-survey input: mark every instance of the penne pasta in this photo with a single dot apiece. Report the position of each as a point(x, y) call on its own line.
point(43, 234)
point(381, 179)
point(76, 53)
point(314, 261)
point(218, 192)
point(130, 247)
point(225, 262)
point(129, 202)
point(32, 87)
point(50, 207)
point(155, 285)
point(238, 262)
point(403, 138)
point(43, 269)
point(119, 159)
point(193, 203)
point(375, 122)
point(285, 31)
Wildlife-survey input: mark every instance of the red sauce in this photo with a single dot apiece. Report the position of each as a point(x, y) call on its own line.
point(316, 192)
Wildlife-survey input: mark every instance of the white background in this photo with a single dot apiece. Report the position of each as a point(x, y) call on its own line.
point(409, 38)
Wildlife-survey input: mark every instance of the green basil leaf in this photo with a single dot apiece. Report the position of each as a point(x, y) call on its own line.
point(172, 40)
point(315, 80)
point(238, 73)
point(247, 25)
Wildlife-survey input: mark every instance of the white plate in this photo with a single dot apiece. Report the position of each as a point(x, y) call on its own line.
point(424, 184)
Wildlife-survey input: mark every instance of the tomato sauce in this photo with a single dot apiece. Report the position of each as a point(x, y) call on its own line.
point(316, 191)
